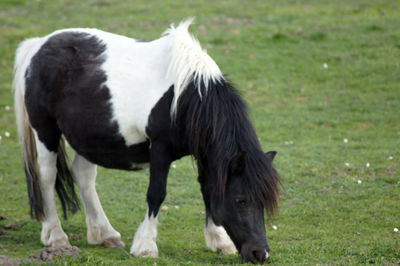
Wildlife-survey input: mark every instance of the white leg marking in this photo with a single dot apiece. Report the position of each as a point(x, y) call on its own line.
point(52, 232)
point(99, 228)
point(217, 239)
point(144, 243)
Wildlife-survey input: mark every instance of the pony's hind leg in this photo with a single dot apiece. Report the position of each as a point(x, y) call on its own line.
point(52, 232)
point(217, 239)
point(99, 229)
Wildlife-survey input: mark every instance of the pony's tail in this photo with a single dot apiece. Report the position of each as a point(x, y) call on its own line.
point(26, 136)
point(64, 181)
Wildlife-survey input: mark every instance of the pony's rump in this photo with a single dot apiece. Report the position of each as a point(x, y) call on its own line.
point(64, 181)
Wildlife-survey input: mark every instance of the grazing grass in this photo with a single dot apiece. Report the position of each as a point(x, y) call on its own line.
point(313, 73)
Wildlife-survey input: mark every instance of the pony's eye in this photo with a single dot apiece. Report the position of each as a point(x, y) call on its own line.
point(241, 202)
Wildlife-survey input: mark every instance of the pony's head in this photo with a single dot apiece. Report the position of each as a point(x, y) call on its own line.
point(251, 187)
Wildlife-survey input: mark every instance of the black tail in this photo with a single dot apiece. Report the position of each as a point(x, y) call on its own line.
point(65, 182)
point(32, 175)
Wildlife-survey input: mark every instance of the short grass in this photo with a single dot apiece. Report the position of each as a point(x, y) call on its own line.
point(274, 51)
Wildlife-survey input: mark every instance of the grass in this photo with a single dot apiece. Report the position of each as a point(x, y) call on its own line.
point(274, 51)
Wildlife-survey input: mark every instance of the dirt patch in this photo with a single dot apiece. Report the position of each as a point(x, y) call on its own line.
point(11, 226)
point(48, 254)
point(4, 260)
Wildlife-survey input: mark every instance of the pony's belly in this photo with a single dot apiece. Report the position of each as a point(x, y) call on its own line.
point(116, 154)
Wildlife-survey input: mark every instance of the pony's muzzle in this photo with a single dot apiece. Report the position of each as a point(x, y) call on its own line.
point(254, 253)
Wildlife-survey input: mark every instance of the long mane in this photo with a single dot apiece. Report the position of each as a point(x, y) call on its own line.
point(217, 127)
point(215, 120)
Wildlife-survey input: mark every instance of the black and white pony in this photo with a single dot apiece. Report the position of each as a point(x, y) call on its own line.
point(125, 104)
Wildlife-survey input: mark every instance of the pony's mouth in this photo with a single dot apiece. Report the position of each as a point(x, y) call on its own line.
point(254, 253)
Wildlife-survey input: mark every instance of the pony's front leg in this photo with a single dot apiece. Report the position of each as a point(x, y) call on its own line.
point(144, 242)
point(99, 229)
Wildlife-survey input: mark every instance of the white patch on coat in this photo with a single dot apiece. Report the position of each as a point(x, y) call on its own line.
point(144, 243)
point(189, 61)
point(217, 239)
point(26, 50)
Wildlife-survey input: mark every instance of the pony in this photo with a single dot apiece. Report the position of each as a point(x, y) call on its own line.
point(127, 104)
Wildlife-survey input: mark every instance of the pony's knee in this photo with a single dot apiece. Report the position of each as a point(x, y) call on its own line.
point(155, 197)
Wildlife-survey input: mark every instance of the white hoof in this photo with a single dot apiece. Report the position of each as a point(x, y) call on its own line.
point(217, 239)
point(54, 236)
point(144, 248)
point(102, 234)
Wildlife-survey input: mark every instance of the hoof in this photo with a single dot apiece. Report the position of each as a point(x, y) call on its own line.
point(217, 239)
point(146, 248)
point(147, 254)
point(230, 249)
point(60, 243)
point(112, 243)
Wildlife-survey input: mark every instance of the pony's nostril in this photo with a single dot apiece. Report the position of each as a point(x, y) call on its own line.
point(259, 255)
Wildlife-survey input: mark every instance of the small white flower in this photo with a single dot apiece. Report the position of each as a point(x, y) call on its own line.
point(274, 227)
point(359, 181)
point(164, 208)
point(325, 65)
point(347, 164)
point(395, 229)
point(390, 157)
point(7, 134)
point(367, 165)
point(7, 108)
point(174, 166)
point(176, 207)
point(345, 140)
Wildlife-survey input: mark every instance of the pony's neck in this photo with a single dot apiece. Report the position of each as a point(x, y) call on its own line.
point(215, 126)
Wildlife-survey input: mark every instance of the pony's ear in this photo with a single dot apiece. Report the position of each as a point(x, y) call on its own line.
point(238, 162)
point(271, 155)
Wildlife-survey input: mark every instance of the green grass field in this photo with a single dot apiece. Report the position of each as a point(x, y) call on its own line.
point(313, 74)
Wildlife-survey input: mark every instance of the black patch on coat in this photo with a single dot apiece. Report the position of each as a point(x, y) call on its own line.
point(65, 93)
point(160, 127)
